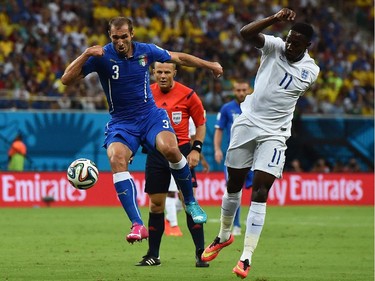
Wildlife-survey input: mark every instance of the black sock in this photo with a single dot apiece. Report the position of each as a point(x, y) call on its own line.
point(155, 232)
point(196, 231)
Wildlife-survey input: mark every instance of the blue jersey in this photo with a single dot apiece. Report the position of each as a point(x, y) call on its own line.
point(228, 112)
point(126, 81)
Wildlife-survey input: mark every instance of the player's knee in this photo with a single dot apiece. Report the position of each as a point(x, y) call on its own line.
point(236, 179)
point(118, 163)
point(157, 207)
point(172, 154)
point(262, 183)
point(259, 194)
point(234, 186)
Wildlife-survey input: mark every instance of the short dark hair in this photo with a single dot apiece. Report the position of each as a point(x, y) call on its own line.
point(304, 29)
point(117, 22)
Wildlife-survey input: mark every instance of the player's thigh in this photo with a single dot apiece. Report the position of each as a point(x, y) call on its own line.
point(157, 122)
point(269, 156)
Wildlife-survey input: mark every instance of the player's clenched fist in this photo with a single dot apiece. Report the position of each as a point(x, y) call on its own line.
point(95, 51)
point(285, 14)
point(217, 69)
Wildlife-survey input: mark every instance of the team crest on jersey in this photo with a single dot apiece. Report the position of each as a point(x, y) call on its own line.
point(143, 60)
point(304, 74)
point(177, 117)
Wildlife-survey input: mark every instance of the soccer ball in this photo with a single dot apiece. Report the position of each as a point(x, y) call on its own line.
point(82, 173)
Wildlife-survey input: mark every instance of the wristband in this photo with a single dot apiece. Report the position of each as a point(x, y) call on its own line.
point(197, 146)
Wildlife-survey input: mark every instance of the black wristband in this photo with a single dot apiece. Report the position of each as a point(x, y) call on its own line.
point(197, 145)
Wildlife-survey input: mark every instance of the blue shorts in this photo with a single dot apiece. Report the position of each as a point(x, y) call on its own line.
point(141, 130)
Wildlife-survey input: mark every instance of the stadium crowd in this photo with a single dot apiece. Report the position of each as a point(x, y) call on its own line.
point(38, 38)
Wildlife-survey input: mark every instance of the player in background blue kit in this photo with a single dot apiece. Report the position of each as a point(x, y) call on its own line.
point(123, 69)
point(228, 112)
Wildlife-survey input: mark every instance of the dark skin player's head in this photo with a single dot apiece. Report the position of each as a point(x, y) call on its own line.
point(297, 41)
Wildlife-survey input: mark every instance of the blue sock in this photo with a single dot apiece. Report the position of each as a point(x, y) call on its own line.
point(127, 193)
point(182, 176)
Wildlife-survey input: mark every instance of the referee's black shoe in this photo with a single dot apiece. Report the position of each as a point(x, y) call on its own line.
point(148, 260)
point(198, 260)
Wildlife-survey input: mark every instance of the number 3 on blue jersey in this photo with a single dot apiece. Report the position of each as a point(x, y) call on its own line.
point(166, 124)
point(116, 70)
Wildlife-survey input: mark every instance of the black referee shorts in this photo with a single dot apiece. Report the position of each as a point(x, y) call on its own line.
point(158, 174)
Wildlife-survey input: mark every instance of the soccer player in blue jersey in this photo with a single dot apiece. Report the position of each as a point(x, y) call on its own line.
point(228, 112)
point(123, 69)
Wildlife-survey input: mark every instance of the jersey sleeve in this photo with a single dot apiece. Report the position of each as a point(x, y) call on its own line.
point(89, 66)
point(159, 54)
point(221, 119)
point(196, 110)
point(271, 43)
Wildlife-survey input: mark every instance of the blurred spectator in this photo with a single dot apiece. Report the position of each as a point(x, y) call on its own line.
point(214, 99)
point(31, 31)
point(21, 97)
point(352, 166)
point(64, 102)
point(320, 166)
point(295, 166)
point(17, 154)
point(338, 167)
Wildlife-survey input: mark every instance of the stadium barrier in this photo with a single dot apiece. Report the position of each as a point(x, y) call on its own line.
point(54, 139)
point(39, 189)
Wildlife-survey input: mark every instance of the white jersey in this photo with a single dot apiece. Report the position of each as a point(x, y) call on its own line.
point(192, 128)
point(278, 85)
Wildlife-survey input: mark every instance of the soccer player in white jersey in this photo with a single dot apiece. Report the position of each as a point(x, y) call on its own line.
point(259, 134)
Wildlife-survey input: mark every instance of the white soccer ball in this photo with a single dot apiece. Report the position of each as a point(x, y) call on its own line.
point(82, 173)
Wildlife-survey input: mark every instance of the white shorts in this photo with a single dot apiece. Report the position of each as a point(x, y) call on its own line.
point(172, 185)
point(251, 146)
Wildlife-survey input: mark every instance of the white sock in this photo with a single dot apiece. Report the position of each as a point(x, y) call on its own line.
point(179, 165)
point(254, 226)
point(171, 211)
point(179, 206)
point(229, 206)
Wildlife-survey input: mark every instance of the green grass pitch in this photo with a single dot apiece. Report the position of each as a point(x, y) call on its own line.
point(297, 243)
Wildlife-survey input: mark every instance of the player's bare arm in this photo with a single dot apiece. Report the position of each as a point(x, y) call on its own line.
point(251, 31)
point(193, 61)
point(218, 137)
point(73, 72)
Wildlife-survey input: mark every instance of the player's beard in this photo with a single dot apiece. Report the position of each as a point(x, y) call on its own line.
point(239, 99)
